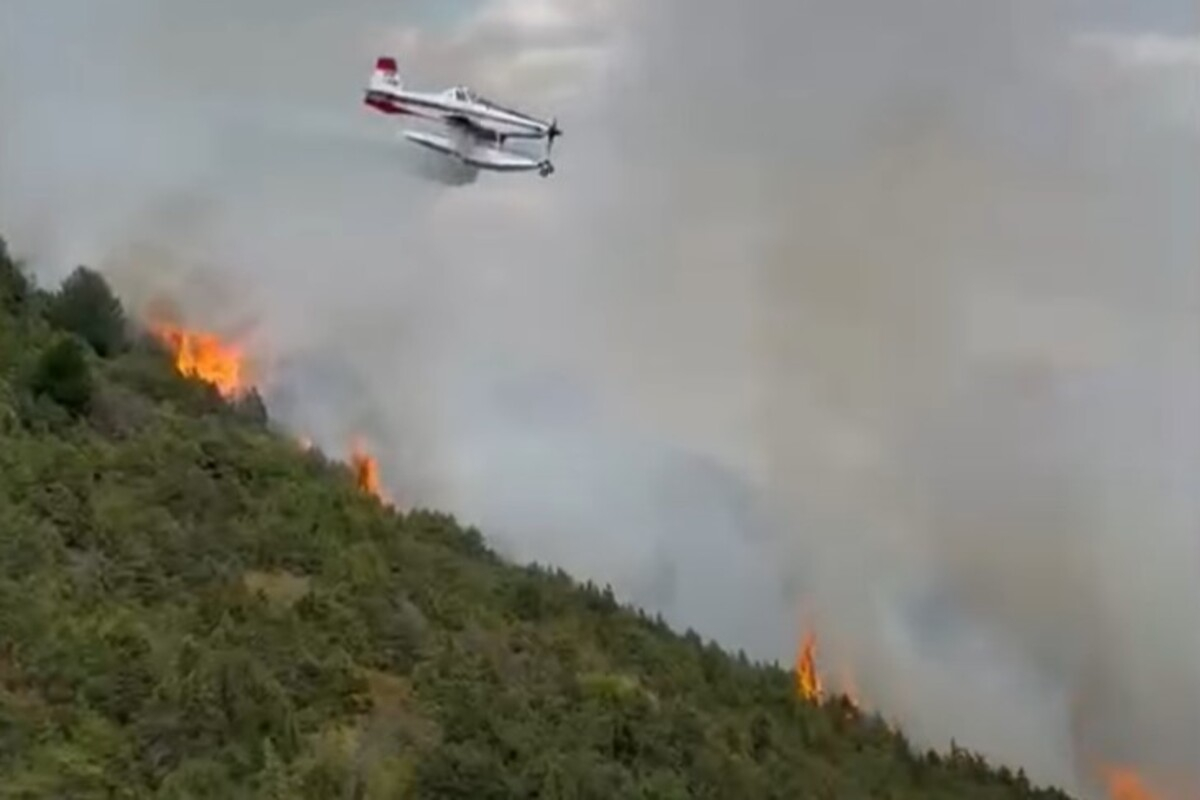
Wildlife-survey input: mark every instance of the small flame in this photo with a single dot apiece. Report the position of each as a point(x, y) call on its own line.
point(808, 681)
point(366, 470)
point(203, 355)
point(1125, 784)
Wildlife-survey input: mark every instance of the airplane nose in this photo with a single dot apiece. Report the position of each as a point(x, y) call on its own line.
point(551, 134)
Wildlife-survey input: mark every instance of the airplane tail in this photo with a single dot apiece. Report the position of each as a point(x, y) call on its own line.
point(386, 74)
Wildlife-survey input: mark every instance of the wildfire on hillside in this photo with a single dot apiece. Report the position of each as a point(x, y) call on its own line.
point(1121, 782)
point(205, 356)
point(208, 357)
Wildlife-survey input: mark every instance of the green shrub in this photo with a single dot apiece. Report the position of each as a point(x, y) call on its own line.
point(62, 374)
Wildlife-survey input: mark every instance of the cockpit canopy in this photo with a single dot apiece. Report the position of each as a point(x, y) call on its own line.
point(464, 95)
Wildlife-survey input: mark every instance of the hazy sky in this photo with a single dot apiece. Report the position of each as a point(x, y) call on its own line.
point(888, 314)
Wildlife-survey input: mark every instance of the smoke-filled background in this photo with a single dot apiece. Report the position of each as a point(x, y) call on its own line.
point(880, 316)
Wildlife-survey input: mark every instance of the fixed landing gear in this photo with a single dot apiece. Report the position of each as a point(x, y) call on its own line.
point(545, 169)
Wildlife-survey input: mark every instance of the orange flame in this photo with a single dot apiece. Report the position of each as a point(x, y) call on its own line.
point(808, 682)
point(366, 470)
point(811, 688)
point(1125, 784)
point(203, 355)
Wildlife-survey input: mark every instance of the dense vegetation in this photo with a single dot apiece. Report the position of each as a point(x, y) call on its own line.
point(191, 605)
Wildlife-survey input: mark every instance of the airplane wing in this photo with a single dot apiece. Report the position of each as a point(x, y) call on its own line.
point(441, 144)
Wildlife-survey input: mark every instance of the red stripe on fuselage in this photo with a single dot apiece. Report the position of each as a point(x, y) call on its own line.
point(385, 106)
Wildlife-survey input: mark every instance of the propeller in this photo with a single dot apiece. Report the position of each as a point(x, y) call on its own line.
point(552, 134)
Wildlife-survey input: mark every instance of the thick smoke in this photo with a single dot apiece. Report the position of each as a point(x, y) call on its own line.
point(886, 314)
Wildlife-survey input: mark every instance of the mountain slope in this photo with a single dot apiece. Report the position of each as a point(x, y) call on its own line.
point(192, 605)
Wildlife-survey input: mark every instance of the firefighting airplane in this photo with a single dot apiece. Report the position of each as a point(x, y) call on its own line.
point(478, 128)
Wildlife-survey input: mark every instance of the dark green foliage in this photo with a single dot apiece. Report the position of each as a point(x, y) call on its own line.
point(63, 375)
point(14, 285)
point(191, 606)
point(251, 408)
point(86, 306)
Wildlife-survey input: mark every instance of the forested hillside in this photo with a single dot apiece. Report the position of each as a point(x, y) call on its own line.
point(193, 605)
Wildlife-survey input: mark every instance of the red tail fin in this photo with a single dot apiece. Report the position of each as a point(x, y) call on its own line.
point(386, 64)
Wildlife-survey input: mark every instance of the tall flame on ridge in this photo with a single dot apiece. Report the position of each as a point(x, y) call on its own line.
point(808, 681)
point(366, 470)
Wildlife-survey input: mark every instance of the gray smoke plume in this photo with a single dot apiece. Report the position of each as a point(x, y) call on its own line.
point(881, 316)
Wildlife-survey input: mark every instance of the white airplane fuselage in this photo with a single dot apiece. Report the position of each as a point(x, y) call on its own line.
point(444, 107)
